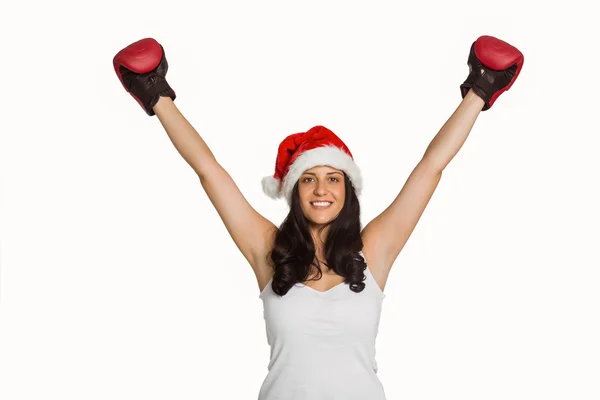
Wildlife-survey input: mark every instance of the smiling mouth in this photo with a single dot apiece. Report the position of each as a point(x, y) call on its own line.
point(320, 205)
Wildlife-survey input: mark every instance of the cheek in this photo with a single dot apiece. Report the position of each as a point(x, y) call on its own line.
point(302, 194)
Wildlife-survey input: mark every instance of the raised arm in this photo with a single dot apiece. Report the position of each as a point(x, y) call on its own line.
point(142, 68)
point(493, 68)
point(252, 233)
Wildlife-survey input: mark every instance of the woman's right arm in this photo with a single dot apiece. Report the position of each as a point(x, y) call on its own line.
point(252, 233)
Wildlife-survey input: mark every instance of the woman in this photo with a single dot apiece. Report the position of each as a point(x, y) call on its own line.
point(321, 277)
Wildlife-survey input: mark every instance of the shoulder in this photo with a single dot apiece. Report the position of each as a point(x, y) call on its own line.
point(263, 265)
point(376, 264)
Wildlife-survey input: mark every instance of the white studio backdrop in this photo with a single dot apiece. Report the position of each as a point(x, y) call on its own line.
point(119, 280)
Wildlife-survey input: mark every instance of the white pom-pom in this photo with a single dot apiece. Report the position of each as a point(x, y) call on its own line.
point(271, 186)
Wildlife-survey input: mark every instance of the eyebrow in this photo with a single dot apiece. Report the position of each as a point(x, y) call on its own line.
point(329, 173)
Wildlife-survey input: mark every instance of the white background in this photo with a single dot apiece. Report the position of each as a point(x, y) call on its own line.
point(119, 280)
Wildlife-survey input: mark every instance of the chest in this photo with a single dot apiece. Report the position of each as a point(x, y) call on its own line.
point(325, 283)
point(332, 316)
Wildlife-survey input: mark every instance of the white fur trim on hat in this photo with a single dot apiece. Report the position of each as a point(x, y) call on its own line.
point(325, 155)
point(271, 187)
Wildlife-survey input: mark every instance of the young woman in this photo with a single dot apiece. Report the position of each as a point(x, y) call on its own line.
point(321, 277)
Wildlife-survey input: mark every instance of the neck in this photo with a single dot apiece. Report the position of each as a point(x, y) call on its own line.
point(319, 243)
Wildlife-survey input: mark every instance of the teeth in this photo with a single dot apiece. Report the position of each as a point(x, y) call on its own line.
point(319, 203)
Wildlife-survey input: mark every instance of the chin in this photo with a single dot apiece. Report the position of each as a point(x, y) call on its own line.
point(321, 219)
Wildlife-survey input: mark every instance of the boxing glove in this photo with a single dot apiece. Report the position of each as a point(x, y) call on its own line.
point(494, 65)
point(142, 68)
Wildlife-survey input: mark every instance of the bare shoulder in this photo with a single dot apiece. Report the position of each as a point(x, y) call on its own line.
point(262, 265)
point(375, 263)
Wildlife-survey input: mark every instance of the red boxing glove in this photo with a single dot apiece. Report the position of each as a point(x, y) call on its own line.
point(494, 65)
point(141, 68)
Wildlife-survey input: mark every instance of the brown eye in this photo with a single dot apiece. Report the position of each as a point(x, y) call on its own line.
point(305, 179)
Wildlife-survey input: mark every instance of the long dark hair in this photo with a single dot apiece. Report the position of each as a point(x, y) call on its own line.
point(293, 252)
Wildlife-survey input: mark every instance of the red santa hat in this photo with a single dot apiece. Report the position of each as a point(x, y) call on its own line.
point(301, 151)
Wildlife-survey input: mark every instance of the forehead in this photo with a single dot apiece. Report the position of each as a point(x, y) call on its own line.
point(323, 169)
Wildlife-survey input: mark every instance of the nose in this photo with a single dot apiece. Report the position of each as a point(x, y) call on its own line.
point(320, 188)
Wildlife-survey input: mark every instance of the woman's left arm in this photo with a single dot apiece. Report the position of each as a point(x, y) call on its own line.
point(385, 236)
point(453, 133)
point(494, 65)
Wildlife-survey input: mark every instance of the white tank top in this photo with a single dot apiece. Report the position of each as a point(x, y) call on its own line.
point(322, 343)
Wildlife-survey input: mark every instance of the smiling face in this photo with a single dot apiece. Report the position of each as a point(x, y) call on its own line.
point(321, 184)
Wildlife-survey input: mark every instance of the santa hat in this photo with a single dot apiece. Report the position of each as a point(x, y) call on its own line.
point(301, 151)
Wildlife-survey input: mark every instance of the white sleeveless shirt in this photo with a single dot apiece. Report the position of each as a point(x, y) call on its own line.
point(323, 343)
